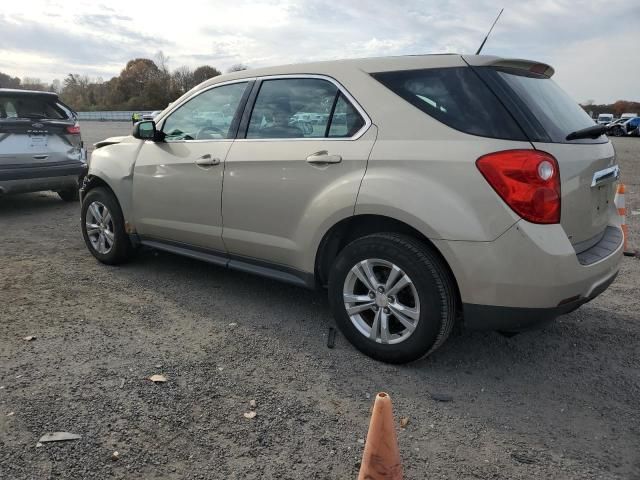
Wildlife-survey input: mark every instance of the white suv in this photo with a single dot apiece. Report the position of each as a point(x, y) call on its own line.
point(432, 189)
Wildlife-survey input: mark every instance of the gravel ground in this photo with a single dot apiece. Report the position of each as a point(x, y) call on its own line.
point(561, 402)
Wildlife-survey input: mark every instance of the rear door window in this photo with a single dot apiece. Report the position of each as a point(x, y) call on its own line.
point(456, 97)
point(292, 108)
point(302, 108)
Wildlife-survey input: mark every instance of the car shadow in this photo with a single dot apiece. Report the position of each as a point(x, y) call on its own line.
point(29, 203)
point(205, 290)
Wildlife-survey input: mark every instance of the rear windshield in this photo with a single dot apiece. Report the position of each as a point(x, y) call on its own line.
point(455, 96)
point(32, 107)
point(556, 111)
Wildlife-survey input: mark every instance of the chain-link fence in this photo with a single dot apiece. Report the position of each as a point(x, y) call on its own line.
point(110, 116)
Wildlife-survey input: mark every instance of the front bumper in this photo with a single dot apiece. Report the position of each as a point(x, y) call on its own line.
point(529, 275)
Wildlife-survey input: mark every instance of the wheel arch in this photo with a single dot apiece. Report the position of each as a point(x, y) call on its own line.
point(349, 229)
point(93, 181)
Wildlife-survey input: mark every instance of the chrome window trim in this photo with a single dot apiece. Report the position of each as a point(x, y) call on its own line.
point(341, 89)
point(160, 123)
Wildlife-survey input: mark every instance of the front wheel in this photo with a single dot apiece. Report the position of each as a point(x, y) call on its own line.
point(392, 297)
point(102, 226)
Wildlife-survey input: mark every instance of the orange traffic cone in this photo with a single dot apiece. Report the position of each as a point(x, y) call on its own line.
point(381, 457)
point(622, 214)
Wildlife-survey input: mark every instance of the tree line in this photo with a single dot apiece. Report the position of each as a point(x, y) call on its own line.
point(146, 84)
point(617, 108)
point(143, 84)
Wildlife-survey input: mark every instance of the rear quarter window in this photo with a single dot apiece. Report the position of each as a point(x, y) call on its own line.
point(456, 97)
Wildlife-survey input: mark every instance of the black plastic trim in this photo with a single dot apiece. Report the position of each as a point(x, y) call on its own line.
point(248, 109)
point(333, 110)
point(239, 114)
point(278, 272)
point(56, 170)
point(611, 239)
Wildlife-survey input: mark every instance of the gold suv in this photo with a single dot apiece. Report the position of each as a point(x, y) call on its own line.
point(417, 190)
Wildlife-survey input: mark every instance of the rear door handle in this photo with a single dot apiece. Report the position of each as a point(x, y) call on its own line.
point(207, 161)
point(323, 157)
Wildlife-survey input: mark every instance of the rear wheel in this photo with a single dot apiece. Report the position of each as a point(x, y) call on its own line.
point(102, 226)
point(392, 297)
point(69, 194)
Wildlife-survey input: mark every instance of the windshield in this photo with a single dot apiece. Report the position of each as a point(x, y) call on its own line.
point(557, 113)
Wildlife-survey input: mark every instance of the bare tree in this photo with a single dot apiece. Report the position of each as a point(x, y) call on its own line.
point(32, 83)
point(162, 62)
point(183, 79)
point(238, 67)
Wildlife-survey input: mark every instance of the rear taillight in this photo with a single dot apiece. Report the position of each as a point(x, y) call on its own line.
point(73, 130)
point(527, 180)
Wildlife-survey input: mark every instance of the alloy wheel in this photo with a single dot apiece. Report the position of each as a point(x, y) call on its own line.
point(381, 301)
point(99, 225)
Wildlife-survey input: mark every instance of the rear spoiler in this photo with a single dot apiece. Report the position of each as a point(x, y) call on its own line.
point(527, 66)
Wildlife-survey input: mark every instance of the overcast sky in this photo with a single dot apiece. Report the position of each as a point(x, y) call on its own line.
point(593, 45)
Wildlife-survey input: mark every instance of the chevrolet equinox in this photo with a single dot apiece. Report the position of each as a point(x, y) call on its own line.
point(419, 190)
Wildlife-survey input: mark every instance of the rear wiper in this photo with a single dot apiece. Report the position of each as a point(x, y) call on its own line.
point(590, 132)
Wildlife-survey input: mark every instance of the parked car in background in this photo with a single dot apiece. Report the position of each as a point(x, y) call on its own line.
point(437, 189)
point(632, 126)
point(624, 127)
point(627, 116)
point(614, 127)
point(40, 144)
point(151, 116)
point(605, 118)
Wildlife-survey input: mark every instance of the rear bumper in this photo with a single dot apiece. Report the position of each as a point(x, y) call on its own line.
point(514, 319)
point(59, 176)
point(57, 169)
point(529, 275)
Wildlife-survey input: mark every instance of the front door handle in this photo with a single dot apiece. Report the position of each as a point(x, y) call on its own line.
point(207, 161)
point(323, 157)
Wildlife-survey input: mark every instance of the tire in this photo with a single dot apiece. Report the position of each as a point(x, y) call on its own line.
point(617, 132)
point(435, 309)
point(69, 194)
point(119, 245)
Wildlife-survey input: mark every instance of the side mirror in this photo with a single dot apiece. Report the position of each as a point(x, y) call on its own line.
point(146, 130)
